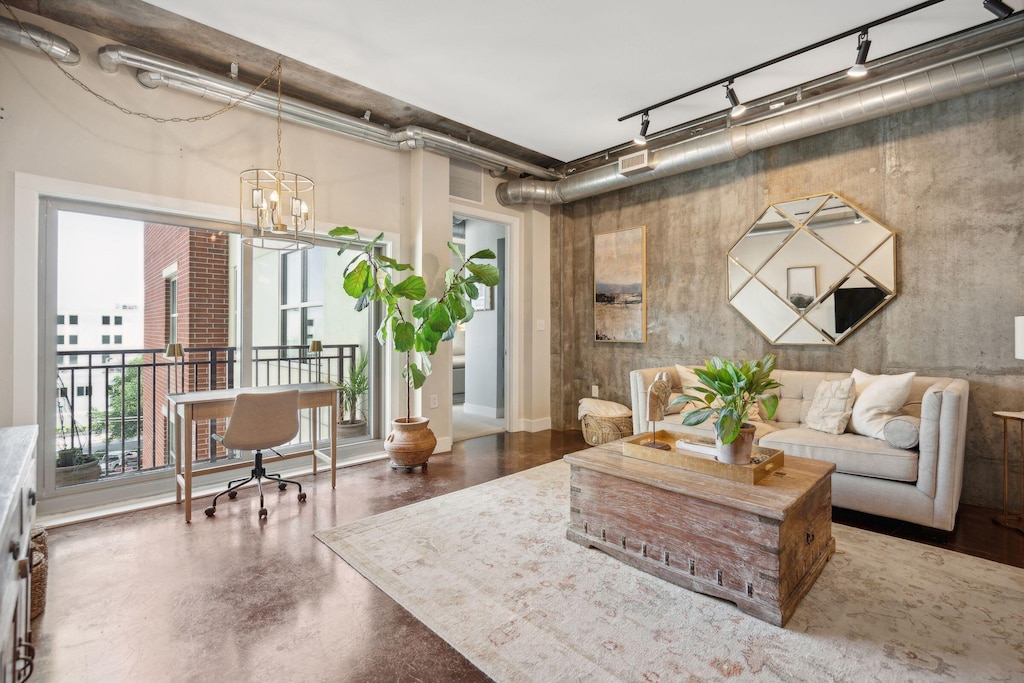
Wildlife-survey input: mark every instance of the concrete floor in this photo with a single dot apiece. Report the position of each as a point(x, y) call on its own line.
point(144, 597)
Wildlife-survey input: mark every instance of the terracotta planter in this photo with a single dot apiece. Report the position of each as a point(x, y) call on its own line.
point(410, 442)
point(738, 452)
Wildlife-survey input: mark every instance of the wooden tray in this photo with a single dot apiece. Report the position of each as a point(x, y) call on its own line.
point(763, 462)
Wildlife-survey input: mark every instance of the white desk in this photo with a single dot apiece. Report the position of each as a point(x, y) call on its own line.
point(192, 407)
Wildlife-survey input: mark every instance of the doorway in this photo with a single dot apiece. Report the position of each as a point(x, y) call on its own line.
point(479, 352)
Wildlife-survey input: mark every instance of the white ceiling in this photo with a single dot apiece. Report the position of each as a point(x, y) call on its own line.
point(555, 75)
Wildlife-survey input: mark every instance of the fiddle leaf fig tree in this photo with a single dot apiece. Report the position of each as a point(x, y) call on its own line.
point(418, 330)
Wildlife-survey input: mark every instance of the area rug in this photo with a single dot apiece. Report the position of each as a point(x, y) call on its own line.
point(489, 570)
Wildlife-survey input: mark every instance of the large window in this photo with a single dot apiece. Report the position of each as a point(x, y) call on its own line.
point(182, 282)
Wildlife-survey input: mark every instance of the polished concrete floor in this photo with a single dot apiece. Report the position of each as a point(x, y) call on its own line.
point(144, 597)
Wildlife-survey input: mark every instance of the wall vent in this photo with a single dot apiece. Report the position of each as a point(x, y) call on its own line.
point(465, 181)
point(631, 164)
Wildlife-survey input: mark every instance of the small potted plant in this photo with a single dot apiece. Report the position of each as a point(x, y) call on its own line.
point(351, 390)
point(727, 392)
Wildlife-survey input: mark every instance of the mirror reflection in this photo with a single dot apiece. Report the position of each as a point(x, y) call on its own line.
point(812, 270)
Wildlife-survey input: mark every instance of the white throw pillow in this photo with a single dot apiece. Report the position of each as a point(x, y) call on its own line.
point(879, 399)
point(832, 406)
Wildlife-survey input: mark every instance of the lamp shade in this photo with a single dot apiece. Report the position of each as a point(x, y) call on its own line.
point(174, 351)
point(1018, 347)
point(316, 346)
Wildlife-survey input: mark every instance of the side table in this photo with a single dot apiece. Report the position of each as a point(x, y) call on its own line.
point(1014, 521)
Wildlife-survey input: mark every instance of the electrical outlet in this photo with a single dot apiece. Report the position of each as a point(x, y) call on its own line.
point(433, 400)
point(540, 324)
point(593, 390)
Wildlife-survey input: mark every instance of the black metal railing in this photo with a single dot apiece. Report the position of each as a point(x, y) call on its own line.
point(109, 405)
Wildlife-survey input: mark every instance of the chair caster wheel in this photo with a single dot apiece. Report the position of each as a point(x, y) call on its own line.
point(282, 486)
point(211, 511)
point(232, 494)
point(263, 513)
point(302, 497)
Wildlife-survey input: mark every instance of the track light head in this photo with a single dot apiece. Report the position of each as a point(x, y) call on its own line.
point(737, 107)
point(645, 122)
point(859, 67)
point(1000, 9)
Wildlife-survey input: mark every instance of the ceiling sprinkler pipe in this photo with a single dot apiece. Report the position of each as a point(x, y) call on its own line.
point(61, 49)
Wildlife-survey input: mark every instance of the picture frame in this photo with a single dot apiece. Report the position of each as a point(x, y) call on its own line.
point(620, 285)
point(801, 285)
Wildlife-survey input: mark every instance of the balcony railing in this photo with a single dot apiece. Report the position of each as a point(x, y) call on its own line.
point(112, 404)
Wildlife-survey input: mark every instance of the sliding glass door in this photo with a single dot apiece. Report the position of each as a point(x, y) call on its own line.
point(122, 291)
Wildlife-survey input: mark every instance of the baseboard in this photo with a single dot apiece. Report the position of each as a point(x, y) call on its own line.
point(444, 445)
point(482, 411)
point(540, 425)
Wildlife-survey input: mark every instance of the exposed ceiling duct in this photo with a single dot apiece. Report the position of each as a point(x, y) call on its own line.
point(936, 80)
point(59, 48)
point(154, 72)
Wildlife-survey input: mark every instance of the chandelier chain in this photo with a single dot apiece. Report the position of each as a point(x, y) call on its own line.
point(160, 119)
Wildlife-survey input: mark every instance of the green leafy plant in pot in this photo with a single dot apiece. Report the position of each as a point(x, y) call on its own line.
point(727, 392)
point(351, 390)
point(417, 331)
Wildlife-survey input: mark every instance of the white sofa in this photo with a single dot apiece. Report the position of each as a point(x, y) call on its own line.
point(922, 485)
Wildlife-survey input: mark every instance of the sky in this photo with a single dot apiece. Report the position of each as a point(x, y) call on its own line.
point(99, 263)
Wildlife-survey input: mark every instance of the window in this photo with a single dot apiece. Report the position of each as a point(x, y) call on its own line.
point(73, 339)
point(83, 391)
point(60, 320)
point(106, 320)
point(60, 339)
point(117, 339)
point(106, 339)
point(302, 297)
point(117, 320)
point(172, 309)
point(72, 360)
point(72, 319)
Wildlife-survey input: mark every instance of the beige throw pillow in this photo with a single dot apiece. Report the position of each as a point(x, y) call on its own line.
point(879, 399)
point(832, 406)
point(903, 431)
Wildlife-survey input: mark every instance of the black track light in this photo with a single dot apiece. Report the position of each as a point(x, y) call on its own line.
point(737, 107)
point(863, 45)
point(1000, 9)
point(645, 122)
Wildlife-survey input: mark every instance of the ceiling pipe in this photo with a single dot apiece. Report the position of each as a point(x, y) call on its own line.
point(61, 49)
point(155, 72)
point(979, 69)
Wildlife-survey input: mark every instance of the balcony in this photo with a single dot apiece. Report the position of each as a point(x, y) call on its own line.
point(111, 405)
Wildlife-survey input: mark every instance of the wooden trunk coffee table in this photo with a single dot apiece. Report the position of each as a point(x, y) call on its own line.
point(760, 546)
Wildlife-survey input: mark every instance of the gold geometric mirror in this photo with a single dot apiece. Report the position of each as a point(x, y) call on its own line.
point(812, 270)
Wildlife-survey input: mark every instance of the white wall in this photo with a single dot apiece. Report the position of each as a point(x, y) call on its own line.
point(482, 342)
point(55, 135)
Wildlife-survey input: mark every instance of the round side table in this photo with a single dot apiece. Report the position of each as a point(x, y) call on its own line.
point(1015, 520)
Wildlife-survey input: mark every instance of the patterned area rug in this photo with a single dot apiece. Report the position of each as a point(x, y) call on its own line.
point(489, 570)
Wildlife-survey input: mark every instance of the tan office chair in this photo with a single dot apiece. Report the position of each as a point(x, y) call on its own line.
point(260, 421)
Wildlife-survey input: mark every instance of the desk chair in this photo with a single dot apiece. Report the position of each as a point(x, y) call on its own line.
point(260, 421)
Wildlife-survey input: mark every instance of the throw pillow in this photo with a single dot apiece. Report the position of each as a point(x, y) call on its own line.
point(903, 431)
point(832, 406)
point(675, 410)
point(879, 399)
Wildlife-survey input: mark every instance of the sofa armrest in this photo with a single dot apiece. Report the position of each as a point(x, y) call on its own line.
point(639, 382)
point(941, 450)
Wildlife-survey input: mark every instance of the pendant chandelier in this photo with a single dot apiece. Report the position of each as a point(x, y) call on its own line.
point(276, 207)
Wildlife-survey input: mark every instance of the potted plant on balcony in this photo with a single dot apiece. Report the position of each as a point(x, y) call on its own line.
point(351, 390)
point(74, 465)
point(727, 392)
point(416, 332)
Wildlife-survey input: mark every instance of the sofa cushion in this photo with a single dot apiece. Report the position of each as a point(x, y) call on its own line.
point(851, 453)
point(903, 431)
point(832, 406)
point(879, 399)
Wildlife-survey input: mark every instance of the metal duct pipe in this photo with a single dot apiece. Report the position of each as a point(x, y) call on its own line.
point(61, 49)
point(155, 72)
point(977, 70)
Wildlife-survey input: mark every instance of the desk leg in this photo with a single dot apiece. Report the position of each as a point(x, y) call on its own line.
point(334, 444)
point(314, 414)
point(174, 438)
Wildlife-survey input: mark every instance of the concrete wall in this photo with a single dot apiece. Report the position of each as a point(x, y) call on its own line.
point(946, 178)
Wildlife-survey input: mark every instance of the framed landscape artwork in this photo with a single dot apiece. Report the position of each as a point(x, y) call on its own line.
point(620, 285)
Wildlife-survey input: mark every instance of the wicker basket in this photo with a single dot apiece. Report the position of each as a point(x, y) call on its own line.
point(37, 535)
point(598, 430)
point(39, 571)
